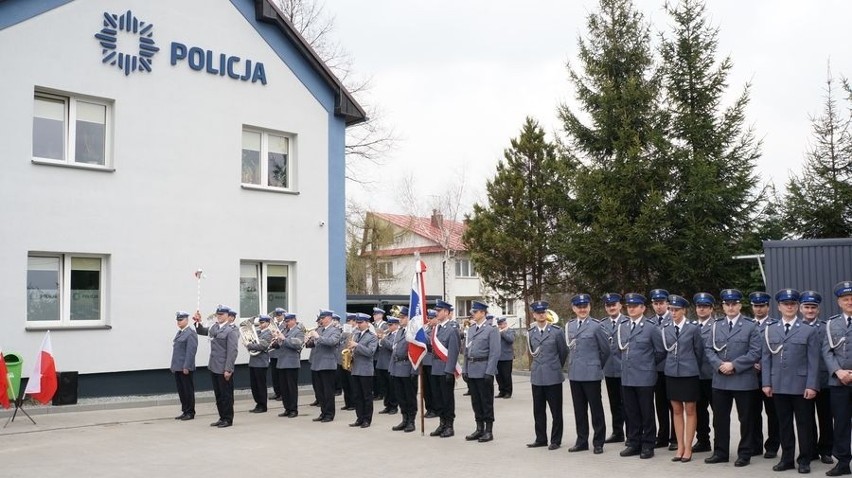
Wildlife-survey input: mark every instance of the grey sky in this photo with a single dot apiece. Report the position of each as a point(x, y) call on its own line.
point(456, 79)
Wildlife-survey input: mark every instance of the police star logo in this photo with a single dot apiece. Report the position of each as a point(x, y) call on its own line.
point(136, 56)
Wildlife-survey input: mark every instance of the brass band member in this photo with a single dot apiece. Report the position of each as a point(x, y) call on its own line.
point(278, 322)
point(324, 340)
point(549, 352)
point(345, 376)
point(507, 356)
point(362, 345)
point(184, 346)
point(289, 344)
point(258, 365)
point(224, 340)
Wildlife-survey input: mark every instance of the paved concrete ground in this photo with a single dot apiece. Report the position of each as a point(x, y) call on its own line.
point(145, 441)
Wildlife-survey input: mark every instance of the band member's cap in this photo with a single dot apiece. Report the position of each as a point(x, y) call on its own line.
point(759, 297)
point(678, 302)
point(843, 288)
point(223, 309)
point(731, 295)
point(431, 313)
point(325, 313)
point(350, 316)
point(659, 294)
point(289, 316)
point(478, 305)
point(279, 311)
point(703, 298)
point(232, 313)
point(500, 320)
point(810, 297)
point(539, 306)
point(335, 317)
point(393, 320)
point(611, 298)
point(787, 295)
point(403, 311)
point(581, 299)
point(263, 318)
point(362, 317)
point(440, 304)
point(181, 315)
point(633, 299)
point(377, 310)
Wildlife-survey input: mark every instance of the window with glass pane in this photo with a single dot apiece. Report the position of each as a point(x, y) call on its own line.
point(85, 288)
point(91, 133)
point(251, 157)
point(276, 287)
point(249, 289)
point(463, 306)
point(49, 128)
point(385, 270)
point(279, 148)
point(43, 281)
point(464, 268)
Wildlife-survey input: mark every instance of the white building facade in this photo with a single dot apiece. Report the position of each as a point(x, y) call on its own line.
point(143, 140)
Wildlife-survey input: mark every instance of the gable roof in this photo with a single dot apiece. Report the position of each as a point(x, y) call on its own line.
point(450, 235)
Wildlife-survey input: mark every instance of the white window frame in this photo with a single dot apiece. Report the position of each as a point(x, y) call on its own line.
point(463, 306)
point(384, 269)
point(460, 269)
point(292, 186)
point(65, 292)
point(263, 306)
point(508, 306)
point(69, 139)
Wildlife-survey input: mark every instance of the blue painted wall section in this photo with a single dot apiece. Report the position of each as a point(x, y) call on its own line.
point(13, 12)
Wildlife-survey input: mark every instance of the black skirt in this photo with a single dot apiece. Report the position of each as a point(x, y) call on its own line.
point(682, 389)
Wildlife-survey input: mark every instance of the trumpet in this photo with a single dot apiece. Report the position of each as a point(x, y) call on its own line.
point(310, 336)
point(552, 317)
point(277, 335)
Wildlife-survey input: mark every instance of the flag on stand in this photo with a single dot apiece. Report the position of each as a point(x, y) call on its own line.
point(414, 333)
point(42, 383)
point(4, 376)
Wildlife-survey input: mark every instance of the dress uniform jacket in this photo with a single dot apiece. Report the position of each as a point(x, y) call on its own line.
point(822, 375)
point(643, 351)
point(612, 367)
point(741, 346)
point(385, 350)
point(400, 364)
point(795, 366)
point(448, 335)
point(262, 345)
point(686, 357)
point(837, 352)
point(706, 371)
point(184, 348)
point(290, 348)
point(382, 356)
point(482, 350)
point(324, 356)
point(341, 344)
point(549, 352)
point(588, 350)
point(507, 343)
point(363, 353)
point(276, 352)
point(662, 321)
point(224, 340)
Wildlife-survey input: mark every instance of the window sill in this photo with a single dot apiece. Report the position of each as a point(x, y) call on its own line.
point(268, 189)
point(62, 164)
point(60, 328)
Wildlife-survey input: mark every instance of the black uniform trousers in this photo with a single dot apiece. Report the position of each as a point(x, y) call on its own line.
point(723, 401)
point(390, 402)
point(702, 410)
point(288, 378)
point(482, 398)
point(825, 443)
point(257, 380)
point(788, 407)
point(223, 390)
point(428, 397)
point(841, 409)
point(443, 393)
point(315, 384)
point(276, 380)
point(362, 394)
point(325, 392)
point(665, 431)
point(547, 396)
point(773, 438)
point(406, 392)
point(616, 404)
point(504, 377)
point(345, 378)
point(380, 384)
point(186, 392)
point(586, 396)
point(639, 416)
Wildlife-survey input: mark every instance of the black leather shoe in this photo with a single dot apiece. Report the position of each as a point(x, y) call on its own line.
point(216, 423)
point(615, 439)
point(326, 420)
point(661, 443)
point(598, 450)
point(486, 437)
point(701, 447)
point(430, 414)
point(348, 409)
point(715, 459)
point(500, 395)
point(187, 417)
point(257, 410)
point(315, 403)
point(318, 419)
point(365, 425)
point(293, 414)
point(409, 427)
point(357, 423)
point(827, 459)
point(782, 466)
point(448, 432)
point(475, 435)
point(392, 411)
point(742, 462)
point(275, 397)
point(401, 426)
point(384, 411)
point(839, 470)
point(553, 446)
point(224, 424)
point(180, 417)
point(649, 453)
point(770, 454)
point(537, 444)
point(804, 468)
point(284, 414)
point(629, 451)
point(576, 448)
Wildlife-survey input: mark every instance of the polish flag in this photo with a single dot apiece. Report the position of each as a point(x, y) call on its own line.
point(42, 383)
point(4, 376)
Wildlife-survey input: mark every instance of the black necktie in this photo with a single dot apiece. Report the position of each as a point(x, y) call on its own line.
point(786, 328)
point(677, 331)
point(848, 321)
point(730, 325)
point(178, 333)
point(579, 324)
point(632, 325)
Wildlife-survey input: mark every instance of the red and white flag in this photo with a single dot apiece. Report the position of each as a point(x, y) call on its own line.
point(5, 384)
point(42, 383)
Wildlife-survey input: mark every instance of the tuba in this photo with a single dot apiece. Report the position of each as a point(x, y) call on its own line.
point(552, 318)
point(395, 310)
point(248, 335)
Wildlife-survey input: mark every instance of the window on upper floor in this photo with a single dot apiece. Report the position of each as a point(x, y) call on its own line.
point(65, 290)
point(385, 270)
point(464, 268)
point(267, 160)
point(70, 130)
point(508, 307)
point(263, 287)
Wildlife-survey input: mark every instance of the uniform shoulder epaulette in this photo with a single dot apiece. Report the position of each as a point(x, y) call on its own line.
point(716, 319)
point(747, 318)
point(833, 317)
point(556, 326)
point(572, 320)
point(624, 319)
point(598, 321)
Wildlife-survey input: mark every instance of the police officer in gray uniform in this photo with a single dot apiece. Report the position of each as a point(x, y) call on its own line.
point(224, 340)
point(838, 360)
point(507, 355)
point(549, 352)
point(588, 348)
point(323, 340)
point(403, 376)
point(381, 383)
point(444, 342)
point(481, 352)
point(760, 307)
point(363, 344)
point(733, 349)
point(278, 321)
point(704, 320)
point(641, 349)
point(789, 369)
point(612, 368)
point(259, 363)
point(665, 429)
point(822, 433)
point(289, 345)
point(383, 359)
point(184, 346)
point(426, 363)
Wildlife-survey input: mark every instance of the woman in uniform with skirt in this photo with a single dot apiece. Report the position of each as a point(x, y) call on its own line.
point(684, 355)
